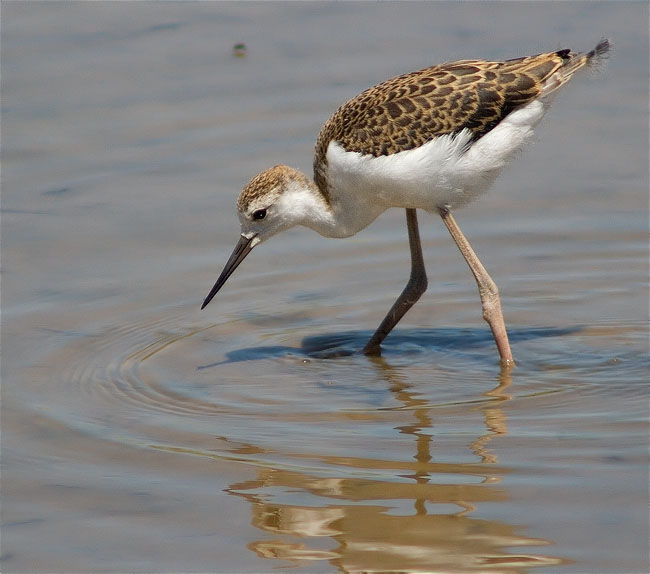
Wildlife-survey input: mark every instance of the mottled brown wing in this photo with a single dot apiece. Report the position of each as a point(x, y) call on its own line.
point(407, 111)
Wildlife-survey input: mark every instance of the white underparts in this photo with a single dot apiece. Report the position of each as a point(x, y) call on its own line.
point(448, 171)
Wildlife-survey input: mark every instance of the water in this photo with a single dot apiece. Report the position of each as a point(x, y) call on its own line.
point(142, 435)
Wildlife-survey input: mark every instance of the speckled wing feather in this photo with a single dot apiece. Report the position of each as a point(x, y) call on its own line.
point(407, 111)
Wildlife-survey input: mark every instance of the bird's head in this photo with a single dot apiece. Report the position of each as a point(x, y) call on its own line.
point(274, 200)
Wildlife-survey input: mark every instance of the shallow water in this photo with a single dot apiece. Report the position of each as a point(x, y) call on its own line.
point(140, 434)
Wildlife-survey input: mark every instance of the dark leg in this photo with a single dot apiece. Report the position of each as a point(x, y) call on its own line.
point(414, 288)
point(486, 287)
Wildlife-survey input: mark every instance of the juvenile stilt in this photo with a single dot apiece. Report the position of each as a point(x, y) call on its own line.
point(437, 136)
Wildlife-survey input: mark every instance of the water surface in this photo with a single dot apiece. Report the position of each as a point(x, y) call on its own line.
point(140, 434)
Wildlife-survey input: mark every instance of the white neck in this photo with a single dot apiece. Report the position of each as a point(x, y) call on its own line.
point(304, 204)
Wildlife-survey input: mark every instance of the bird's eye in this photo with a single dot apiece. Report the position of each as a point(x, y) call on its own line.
point(259, 214)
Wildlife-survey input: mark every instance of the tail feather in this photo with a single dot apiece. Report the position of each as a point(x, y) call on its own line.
point(573, 62)
point(601, 50)
point(596, 58)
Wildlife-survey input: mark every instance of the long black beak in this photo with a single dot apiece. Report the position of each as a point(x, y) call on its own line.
point(242, 249)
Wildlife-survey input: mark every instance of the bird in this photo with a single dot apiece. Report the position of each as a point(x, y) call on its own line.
point(434, 139)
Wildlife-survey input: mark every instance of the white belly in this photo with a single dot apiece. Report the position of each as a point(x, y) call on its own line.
point(447, 171)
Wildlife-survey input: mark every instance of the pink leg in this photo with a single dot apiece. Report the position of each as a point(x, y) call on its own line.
point(486, 287)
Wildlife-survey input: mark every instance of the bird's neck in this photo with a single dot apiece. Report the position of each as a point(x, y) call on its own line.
point(332, 215)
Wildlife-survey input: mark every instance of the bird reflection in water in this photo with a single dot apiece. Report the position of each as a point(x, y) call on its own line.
point(383, 515)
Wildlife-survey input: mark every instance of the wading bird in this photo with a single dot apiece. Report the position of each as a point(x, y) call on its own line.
point(435, 140)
